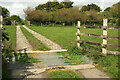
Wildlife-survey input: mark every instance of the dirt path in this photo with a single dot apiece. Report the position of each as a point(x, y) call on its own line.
point(21, 41)
point(50, 44)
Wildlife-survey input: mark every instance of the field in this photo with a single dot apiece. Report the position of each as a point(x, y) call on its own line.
point(65, 36)
point(11, 30)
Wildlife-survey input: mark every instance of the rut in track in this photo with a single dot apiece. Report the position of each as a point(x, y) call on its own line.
point(21, 41)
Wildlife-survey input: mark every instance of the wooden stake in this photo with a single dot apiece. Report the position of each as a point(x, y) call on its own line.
point(1, 20)
point(78, 36)
point(104, 47)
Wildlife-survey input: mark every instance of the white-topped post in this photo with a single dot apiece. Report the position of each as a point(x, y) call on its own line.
point(1, 21)
point(78, 36)
point(104, 50)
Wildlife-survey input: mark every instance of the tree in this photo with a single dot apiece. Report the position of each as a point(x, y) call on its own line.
point(5, 12)
point(107, 9)
point(49, 6)
point(115, 10)
point(6, 21)
point(64, 15)
point(91, 17)
point(113, 14)
point(16, 18)
point(84, 8)
point(89, 7)
point(67, 4)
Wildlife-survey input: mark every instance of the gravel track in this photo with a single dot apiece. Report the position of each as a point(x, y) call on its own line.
point(22, 42)
point(50, 44)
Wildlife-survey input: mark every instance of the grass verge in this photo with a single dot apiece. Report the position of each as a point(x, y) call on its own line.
point(11, 31)
point(36, 44)
point(108, 63)
point(64, 74)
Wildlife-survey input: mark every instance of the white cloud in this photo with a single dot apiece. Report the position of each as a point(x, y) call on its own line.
point(17, 6)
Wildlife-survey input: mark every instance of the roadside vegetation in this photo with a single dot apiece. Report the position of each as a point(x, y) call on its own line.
point(25, 58)
point(108, 63)
point(64, 75)
point(11, 32)
point(36, 44)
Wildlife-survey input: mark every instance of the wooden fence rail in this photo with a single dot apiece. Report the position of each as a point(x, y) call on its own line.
point(95, 35)
point(104, 36)
point(98, 44)
point(97, 27)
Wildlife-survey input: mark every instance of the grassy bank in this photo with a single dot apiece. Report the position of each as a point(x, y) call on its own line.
point(11, 30)
point(36, 44)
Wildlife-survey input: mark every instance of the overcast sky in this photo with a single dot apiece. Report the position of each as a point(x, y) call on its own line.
point(16, 6)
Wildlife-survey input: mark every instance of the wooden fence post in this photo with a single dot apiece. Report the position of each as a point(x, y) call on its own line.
point(78, 36)
point(1, 21)
point(104, 46)
point(1, 26)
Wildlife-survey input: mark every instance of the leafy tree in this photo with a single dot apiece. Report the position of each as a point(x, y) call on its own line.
point(84, 8)
point(49, 6)
point(89, 7)
point(6, 21)
point(115, 10)
point(15, 17)
point(37, 16)
point(91, 17)
point(107, 9)
point(64, 15)
point(67, 4)
point(113, 14)
point(5, 12)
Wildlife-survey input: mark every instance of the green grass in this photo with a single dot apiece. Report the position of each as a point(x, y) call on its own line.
point(72, 56)
point(62, 35)
point(108, 64)
point(36, 44)
point(11, 30)
point(63, 74)
point(65, 36)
